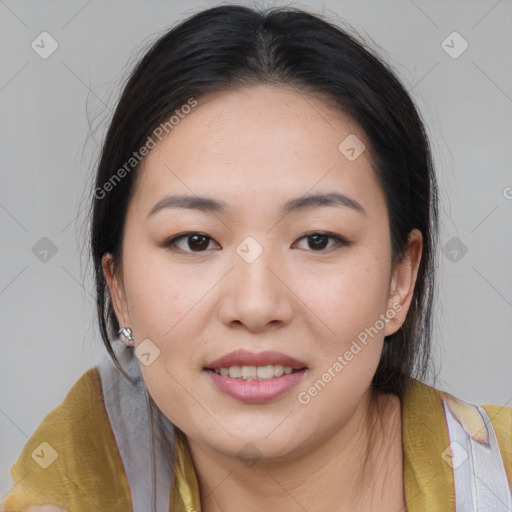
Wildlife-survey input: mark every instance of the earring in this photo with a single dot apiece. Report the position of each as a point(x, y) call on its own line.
point(128, 334)
point(397, 320)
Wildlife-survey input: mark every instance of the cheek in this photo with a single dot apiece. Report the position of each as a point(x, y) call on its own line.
point(162, 309)
point(348, 296)
point(158, 293)
point(158, 312)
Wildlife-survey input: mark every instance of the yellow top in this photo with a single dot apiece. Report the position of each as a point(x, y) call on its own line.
point(72, 459)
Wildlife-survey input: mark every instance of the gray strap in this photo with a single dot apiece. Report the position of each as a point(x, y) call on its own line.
point(128, 414)
point(481, 483)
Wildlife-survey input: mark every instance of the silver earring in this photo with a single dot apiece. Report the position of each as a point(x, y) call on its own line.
point(128, 334)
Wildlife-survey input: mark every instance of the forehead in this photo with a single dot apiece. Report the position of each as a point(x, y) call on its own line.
point(261, 142)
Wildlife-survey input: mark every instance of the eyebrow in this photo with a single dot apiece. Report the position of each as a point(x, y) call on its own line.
point(209, 205)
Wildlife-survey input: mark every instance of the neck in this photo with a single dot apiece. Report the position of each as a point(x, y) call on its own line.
point(350, 469)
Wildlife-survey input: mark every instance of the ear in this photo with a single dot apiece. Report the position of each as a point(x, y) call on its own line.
point(116, 288)
point(403, 281)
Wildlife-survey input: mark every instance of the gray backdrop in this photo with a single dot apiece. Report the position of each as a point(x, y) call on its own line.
point(54, 108)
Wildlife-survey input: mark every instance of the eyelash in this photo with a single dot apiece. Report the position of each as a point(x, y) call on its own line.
point(171, 243)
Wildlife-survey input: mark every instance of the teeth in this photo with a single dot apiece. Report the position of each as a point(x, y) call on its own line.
point(278, 370)
point(267, 372)
point(234, 372)
point(248, 372)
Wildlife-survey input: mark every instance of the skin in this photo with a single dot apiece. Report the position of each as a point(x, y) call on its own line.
point(255, 148)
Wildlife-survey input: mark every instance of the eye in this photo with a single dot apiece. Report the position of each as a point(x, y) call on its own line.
point(196, 242)
point(318, 240)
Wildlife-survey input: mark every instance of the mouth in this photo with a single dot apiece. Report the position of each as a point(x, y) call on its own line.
point(267, 372)
point(255, 377)
point(245, 365)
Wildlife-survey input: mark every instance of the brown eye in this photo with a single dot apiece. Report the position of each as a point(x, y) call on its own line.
point(197, 242)
point(193, 242)
point(318, 241)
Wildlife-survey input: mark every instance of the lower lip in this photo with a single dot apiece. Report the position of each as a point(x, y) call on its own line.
point(256, 391)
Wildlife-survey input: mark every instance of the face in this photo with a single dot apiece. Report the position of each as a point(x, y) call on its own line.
point(313, 285)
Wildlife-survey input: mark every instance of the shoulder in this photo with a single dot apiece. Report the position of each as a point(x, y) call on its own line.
point(433, 420)
point(420, 395)
point(71, 461)
point(470, 416)
point(501, 418)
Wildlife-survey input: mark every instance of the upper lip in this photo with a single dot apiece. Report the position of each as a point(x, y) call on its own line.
point(246, 358)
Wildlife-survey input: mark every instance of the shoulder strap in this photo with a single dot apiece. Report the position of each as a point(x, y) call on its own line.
point(127, 409)
point(480, 480)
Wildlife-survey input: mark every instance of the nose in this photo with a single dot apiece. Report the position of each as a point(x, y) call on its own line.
point(256, 294)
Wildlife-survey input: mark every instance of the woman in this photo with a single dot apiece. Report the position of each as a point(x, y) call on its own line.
point(264, 228)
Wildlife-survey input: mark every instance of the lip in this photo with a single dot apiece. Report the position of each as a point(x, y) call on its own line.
point(256, 391)
point(247, 358)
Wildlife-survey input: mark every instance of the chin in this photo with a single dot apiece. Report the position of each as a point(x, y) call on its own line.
point(253, 447)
